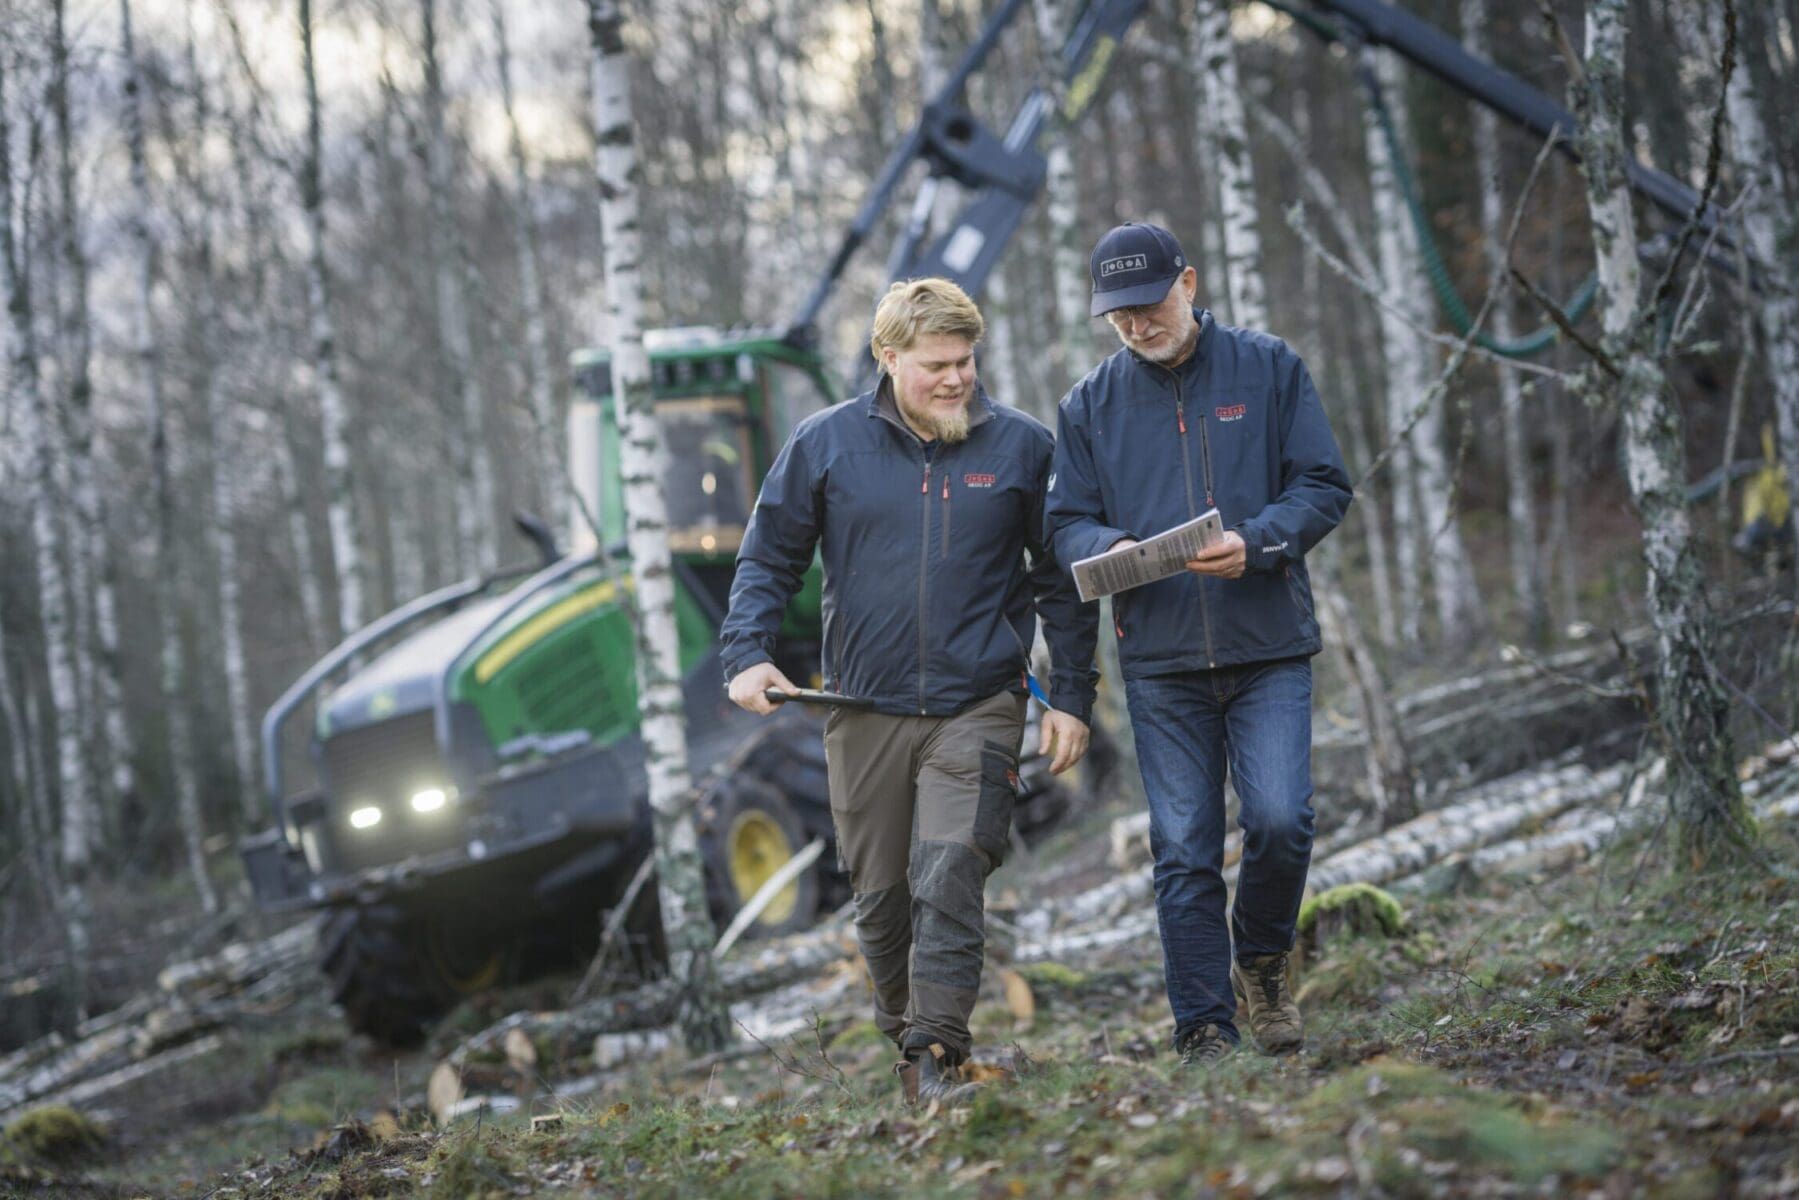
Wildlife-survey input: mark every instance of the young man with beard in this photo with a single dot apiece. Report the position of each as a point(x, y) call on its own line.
point(1190, 415)
point(924, 498)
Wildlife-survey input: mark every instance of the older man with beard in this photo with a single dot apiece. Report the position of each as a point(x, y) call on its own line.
point(924, 498)
point(1187, 416)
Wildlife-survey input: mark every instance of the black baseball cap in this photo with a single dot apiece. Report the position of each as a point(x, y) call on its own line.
point(1135, 263)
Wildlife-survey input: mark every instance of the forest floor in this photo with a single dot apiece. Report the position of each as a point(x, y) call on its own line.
point(1622, 1028)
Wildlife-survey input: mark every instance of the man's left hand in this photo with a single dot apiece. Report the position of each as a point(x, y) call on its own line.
point(1225, 560)
point(1068, 736)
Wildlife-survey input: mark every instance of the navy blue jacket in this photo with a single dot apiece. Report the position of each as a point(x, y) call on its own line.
point(1143, 447)
point(928, 604)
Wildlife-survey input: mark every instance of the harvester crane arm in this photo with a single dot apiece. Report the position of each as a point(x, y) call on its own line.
point(1005, 172)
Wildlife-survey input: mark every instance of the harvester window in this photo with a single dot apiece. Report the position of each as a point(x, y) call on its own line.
point(710, 472)
point(790, 395)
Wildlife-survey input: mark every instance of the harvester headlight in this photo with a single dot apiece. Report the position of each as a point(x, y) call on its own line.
point(429, 800)
point(363, 818)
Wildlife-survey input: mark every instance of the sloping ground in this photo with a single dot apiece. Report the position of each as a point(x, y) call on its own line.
point(1605, 1024)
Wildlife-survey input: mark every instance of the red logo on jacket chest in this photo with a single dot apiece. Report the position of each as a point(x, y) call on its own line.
point(1230, 412)
point(978, 479)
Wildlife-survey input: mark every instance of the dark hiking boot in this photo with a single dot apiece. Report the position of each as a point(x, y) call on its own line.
point(1206, 1047)
point(1261, 987)
point(926, 1080)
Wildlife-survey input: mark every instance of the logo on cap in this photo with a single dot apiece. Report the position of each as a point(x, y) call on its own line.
point(1128, 262)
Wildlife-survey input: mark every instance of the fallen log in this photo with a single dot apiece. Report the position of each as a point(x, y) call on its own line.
point(1486, 816)
point(559, 1035)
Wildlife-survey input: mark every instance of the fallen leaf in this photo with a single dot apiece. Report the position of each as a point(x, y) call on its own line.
point(1642, 1079)
point(1018, 995)
point(615, 1113)
point(1567, 1060)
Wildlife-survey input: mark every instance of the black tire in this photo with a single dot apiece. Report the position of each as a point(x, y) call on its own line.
point(747, 830)
point(395, 975)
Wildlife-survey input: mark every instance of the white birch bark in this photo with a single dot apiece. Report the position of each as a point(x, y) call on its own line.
point(1061, 189)
point(221, 452)
point(102, 720)
point(1421, 510)
point(1521, 525)
point(476, 530)
point(1223, 102)
point(680, 876)
point(1771, 229)
point(539, 374)
point(334, 414)
point(1205, 148)
point(177, 718)
point(31, 408)
point(1692, 711)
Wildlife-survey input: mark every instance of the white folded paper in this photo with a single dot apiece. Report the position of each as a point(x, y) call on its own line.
point(1153, 558)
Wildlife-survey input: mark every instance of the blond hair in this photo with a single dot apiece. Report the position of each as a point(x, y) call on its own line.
point(920, 307)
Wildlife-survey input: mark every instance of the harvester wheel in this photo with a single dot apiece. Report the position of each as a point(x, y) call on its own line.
point(749, 830)
point(394, 975)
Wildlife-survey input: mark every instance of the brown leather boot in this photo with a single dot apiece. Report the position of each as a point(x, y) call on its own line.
point(925, 1079)
point(1261, 987)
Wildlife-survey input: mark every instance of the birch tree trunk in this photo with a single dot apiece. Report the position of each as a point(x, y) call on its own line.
point(1205, 148)
point(221, 452)
point(1421, 511)
point(1521, 525)
point(680, 876)
point(176, 713)
point(1068, 254)
point(31, 407)
point(539, 374)
point(334, 415)
point(96, 607)
point(1771, 228)
point(1242, 240)
point(476, 530)
point(1692, 712)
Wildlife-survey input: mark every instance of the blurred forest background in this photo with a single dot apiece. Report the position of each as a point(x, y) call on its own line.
point(276, 368)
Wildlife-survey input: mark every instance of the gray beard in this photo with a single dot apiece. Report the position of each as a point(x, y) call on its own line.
point(1164, 355)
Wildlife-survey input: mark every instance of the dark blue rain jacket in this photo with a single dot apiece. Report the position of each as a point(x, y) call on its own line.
point(929, 605)
point(1141, 448)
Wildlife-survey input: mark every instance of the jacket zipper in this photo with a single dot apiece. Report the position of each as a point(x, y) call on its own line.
point(924, 566)
point(1180, 421)
point(946, 514)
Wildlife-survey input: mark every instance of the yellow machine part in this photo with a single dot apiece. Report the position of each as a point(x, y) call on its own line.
point(755, 849)
point(1765, 495)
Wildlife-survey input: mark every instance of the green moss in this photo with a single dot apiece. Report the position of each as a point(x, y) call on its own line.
point(1052, 975)
point(54, 1133)
point(474, 1166)
point(320, 1098)
point(1360, 908)
point(859, 1035)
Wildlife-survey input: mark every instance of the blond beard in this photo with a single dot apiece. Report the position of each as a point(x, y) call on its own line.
point(947, 427)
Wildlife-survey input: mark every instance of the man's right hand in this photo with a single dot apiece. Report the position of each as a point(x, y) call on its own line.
point(748, 685)
point(1123, 543)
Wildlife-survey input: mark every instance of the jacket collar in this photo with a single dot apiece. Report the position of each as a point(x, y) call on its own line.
point(880, 403)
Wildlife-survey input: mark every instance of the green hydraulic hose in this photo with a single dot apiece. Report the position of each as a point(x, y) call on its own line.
point(1437, 271)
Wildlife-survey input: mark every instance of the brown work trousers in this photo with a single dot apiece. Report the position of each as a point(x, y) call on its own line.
point(923, 809)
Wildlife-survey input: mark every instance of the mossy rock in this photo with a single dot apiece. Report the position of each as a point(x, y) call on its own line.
point(1052, 975)
point(1356, 909)
point(55, 1133)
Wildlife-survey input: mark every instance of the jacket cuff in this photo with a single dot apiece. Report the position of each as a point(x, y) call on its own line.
point(1075, 701)
point(1099, 540)
point(750, 657)
point(1262, 551)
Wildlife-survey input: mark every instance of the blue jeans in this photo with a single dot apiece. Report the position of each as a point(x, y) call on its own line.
point(1257, 719)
